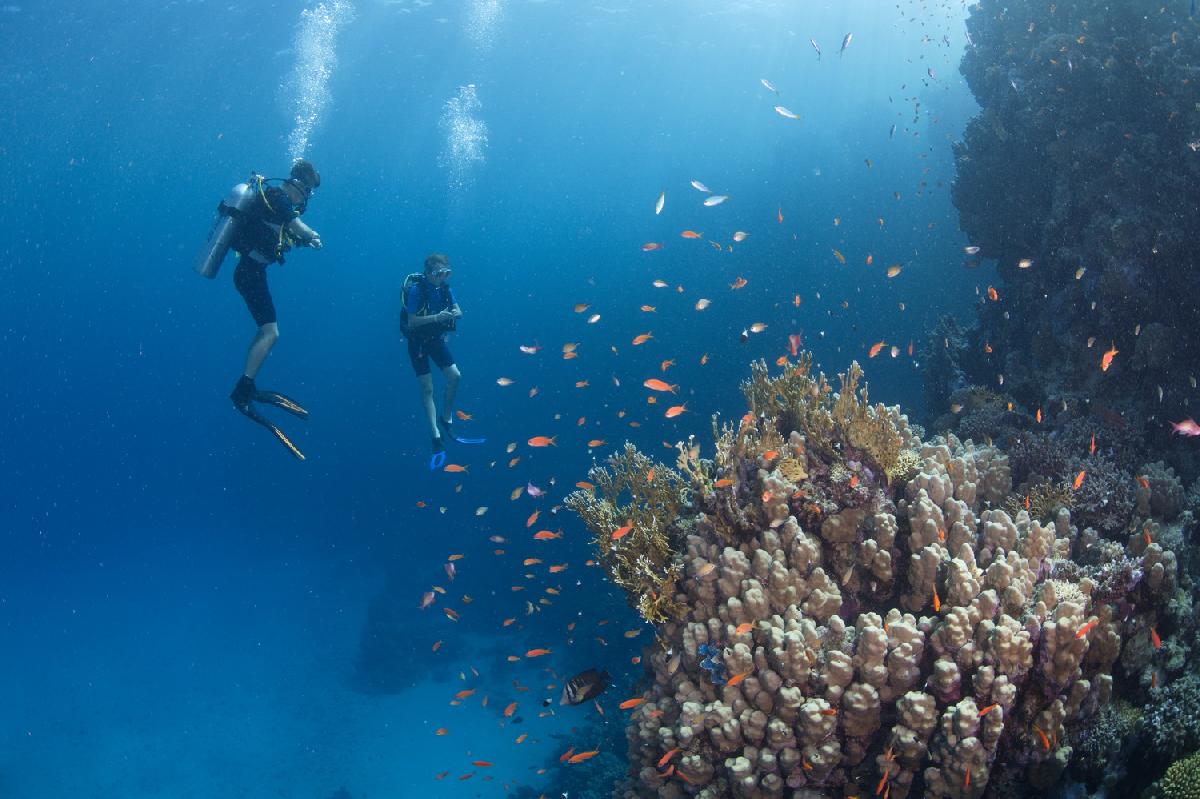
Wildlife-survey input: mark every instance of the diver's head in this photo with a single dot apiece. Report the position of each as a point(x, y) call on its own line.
point(304, 176)
point(437, 267)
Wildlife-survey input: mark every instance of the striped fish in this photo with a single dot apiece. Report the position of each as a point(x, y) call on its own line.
point(584, 686)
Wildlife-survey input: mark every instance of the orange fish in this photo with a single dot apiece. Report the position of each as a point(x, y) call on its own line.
point(651, 246)
point(675, 410)
point(464, 693)
point(1142, 481)
point(854, 481)
point(584, 484)
point(1085, 629)
point(480, 763)
point(691, 234)
point(454, 467)
point(1079, 479)
point(537, 653)
point(580, 307)
point(744, 627)
point(779, 214)
point(875, 348)
point(654, 384)
point(937, 602)
point(542, 441)
point(648, 309)
point(665, 365)
point(558, 567)
point(704, 359)
point(739, 283)
point(724, 482)
point(910, 348)
point(841, 259)
point(532, 518)
point(595, 442)
point(641, 339)
point(737, 678)
point(510, 709)
point(522, 737)
point(546, 535)
point(1106, 360)
point(662, 761)
point(1154, 639)
point(621, 532)
point(1042, 735)
point(829, 711)
point(565, 755)
point(630, 703)
point(582, 756)
point(1092, 446)
point(987, 710)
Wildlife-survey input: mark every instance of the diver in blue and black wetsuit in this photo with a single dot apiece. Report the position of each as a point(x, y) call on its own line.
point(268, 228)
point(429, 313)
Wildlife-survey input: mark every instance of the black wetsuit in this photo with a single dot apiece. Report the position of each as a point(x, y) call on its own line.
point(428, 341)
point(259, 244)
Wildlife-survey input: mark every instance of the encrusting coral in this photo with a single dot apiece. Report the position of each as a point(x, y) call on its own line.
point(833, 630)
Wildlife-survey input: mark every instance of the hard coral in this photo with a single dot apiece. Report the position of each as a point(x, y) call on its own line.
point(647, 497)
point(901, 638)
point(1182, 780)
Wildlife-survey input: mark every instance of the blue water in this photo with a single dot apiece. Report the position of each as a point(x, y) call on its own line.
point(182, 604)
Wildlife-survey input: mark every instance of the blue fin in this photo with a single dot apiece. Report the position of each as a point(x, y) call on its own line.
point(437, 460)
point(462, 440)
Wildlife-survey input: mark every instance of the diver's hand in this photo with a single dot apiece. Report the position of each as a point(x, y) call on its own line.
point(315, 241)
point(456, 313)
point(444, 317)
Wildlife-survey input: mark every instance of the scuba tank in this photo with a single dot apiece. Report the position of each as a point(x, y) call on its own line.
point(210, 257)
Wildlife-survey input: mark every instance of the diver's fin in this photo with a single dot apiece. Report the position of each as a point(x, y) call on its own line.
point(462, 440)
point(255, 416)
point(281, 401)
point(437, 460)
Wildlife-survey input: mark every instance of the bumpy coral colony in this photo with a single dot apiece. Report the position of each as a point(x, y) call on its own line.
point(844, 610)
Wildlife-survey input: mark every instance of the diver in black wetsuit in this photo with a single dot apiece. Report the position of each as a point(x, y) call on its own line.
point(268, 228)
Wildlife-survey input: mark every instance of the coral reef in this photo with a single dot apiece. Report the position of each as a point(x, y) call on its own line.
point(1094, 196)
point(879, 628)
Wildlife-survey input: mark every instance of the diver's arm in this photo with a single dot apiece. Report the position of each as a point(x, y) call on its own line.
point(306, 235)
point(431, 319)
point(456, 311)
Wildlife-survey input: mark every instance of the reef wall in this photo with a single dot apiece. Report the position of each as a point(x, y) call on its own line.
point(843, 609)
point(1080, 178)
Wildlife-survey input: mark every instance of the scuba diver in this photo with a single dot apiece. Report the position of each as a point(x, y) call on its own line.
point(429, 313)
point(260, 220)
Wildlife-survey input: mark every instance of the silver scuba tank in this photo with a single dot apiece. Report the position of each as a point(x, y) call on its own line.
point(210, 257)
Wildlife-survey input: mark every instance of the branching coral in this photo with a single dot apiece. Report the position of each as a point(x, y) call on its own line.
point(635, 492)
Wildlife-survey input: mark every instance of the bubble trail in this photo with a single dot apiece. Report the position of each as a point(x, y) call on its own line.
point(466, 136)
point(307, 88)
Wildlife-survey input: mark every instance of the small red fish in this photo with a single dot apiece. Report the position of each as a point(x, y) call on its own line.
point(875, 348)
point(987, 710)
point(1085, 629)
point(582, 756)
point(1107, 358)
point(737, 678)
point(542, 441)
point(631, 703)
point(537, 653)
point(621, 532)
point(1154, 639)
point(1092, 446)
point(1079, 479)
point(662, 761)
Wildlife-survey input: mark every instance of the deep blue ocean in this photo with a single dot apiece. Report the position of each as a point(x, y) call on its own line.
point(188, 611)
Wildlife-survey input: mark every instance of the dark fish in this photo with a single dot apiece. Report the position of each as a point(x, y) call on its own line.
point(584, 686)
point(845, 44)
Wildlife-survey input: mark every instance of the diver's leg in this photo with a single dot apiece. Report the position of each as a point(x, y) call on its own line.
point(260, 348)
point(425, 384)
point(452, 377)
